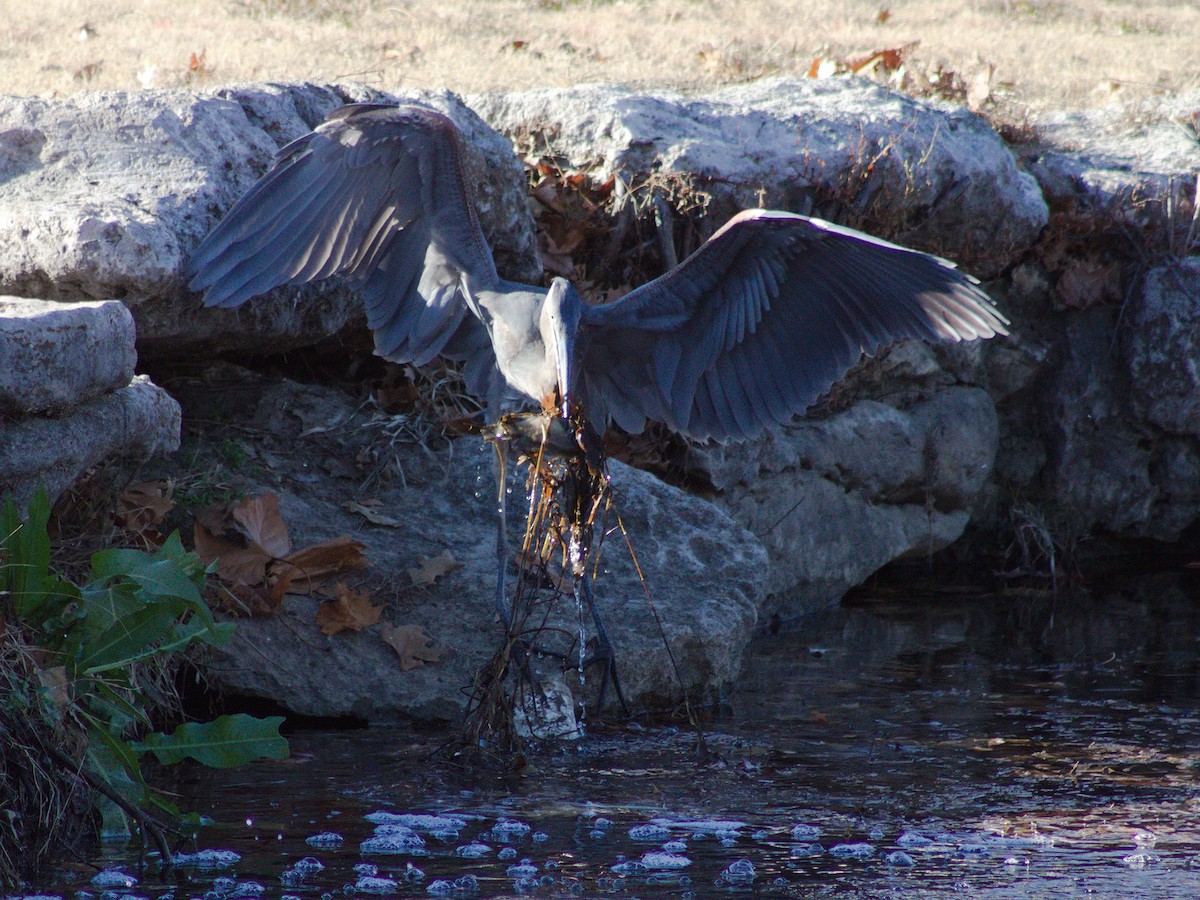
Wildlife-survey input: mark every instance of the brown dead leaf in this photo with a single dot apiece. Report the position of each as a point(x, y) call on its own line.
point(88, 71)
point(198, 67)
point(258, 518)
point(430, 568)
point(412, 644)
point(348, 611)
point(375, 518)
point(246, 600)
point(881, 60)
point(306, 567)
point(235, 565)
point(145, 504)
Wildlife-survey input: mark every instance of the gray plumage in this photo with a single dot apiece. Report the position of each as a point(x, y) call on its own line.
point(745, 333)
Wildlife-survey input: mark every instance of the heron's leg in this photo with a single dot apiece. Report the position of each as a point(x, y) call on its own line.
point(604, 652)
point(502, 608)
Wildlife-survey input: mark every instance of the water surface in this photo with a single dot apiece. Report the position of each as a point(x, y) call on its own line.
point(1011, 744)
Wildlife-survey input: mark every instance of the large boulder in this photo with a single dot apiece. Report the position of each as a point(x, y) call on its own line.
point(704, 574)
point(68, 395)
point(934, 176)
point(139, 420)
point(835, 499)
point(103, 196)
point(55, 356)
point(1115, 156)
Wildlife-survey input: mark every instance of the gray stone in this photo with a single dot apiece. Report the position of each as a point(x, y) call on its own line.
point(933, 175)
point(139, 420)
point(704, 575)
point(835, 499)
point(1161, 343)
point(103, 196)
point(1098, 472)
point(1115, 154)
point(54, 357)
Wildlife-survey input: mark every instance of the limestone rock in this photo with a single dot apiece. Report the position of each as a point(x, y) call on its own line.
point(1114, 154)
point(929, 175)
point(103, 195)
point(54, 357)
point(835, 499)
point(704, 574)
point(140, 419)
point(1161, 342)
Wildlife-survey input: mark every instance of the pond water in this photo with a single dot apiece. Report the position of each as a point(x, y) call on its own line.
point(1011, 744)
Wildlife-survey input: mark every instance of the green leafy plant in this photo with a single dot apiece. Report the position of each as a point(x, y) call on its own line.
point(98, 645)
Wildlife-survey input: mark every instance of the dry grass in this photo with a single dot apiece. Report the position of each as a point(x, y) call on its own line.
point(1046, 53)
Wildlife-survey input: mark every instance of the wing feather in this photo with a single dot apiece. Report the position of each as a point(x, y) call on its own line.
point(763, 318)
point(376, 194)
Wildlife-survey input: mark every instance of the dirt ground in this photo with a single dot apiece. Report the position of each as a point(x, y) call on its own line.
point(1032, 54)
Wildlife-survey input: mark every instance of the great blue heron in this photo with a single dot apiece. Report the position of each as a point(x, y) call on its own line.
point(746, 333)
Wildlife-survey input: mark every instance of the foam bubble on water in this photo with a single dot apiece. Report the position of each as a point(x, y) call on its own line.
point(510, 828)
point(248, 889)
point(474, 850)
point(114, 878)
point(722, 828)
point(440, 888)
point(208, 859)
point(1141, 860)
point(539, 837)
point(853, 851)
point(601, 822)
point(813, 849)
point(628, 867)
point(675, 847)
point(875, 834)
point(412, 873)
point(376, 885)
point(913, 839)
point(760, 835)
point(804, 832)
point(417, 821)
point(402, 842)
point(653, 831)
point(508, 853)
point(522, 870)
point(467, 884)
point(740, 871)
point(660, 859)
point(326, 840)
point(367, 869)
point(899, 858)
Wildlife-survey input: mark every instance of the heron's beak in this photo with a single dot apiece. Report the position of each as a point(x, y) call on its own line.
point(562, 364)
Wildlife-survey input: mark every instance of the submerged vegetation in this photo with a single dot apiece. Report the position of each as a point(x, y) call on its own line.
point(85, 675)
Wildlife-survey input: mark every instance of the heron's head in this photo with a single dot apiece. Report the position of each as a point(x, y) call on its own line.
point(559, 325)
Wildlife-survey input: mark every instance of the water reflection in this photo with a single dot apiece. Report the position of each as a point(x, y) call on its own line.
point(1011, 745)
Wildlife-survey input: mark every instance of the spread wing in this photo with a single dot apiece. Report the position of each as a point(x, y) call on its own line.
point(760, 321)
point(375, 194)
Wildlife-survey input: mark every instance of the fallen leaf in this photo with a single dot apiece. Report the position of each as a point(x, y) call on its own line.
point(236, 565)
point(142, 506)
point(370, 515)
point(247, 600)
point(347, 611)
point(260, 521)
point(411, 642)
point(308, 566)
point(88, 71)
point(430, 568)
